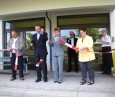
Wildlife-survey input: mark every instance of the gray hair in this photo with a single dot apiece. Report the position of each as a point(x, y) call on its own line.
point(71, 32)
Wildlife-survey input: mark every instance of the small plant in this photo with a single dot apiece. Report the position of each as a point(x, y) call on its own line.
point(28, 40)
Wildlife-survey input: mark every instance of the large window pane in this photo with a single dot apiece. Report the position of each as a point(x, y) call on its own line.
point(7, 25)
point(29, 37)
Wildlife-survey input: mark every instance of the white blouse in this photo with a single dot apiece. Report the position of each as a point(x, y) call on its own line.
point(106, 39)
point(13, 45)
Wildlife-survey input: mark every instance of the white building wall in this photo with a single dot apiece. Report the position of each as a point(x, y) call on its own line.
point(112, 27)
point(1, 41)
point(24, 6)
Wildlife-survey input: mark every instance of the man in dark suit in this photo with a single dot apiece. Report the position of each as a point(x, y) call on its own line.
point(40, 52)
point(71, 53)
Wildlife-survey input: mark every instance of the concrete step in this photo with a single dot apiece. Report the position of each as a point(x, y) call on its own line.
point(65, 86)
point(15, 92)
point(104, 86)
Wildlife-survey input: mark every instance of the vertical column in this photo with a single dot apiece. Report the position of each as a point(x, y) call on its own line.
point(54, 24)
point(48, 49)
point(112, 32)
point(1, 42)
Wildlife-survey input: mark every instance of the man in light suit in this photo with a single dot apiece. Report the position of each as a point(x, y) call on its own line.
point(16, 43)
point(40, 52)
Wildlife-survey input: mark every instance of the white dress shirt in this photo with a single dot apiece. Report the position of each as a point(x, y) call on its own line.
point(106, 39)
point(72, 41)
point(13, 45)
point(38, 35)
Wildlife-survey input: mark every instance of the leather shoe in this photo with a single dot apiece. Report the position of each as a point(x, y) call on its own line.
point(38, 80)
point(45, 80)
point(59, 82)
point(55, 81)
point(12, 79)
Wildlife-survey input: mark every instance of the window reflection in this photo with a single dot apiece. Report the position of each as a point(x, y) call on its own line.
point(67, 31)
point(7, 26)
point(8, 37)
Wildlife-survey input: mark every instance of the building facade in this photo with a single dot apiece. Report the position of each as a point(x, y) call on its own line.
point(68, 14)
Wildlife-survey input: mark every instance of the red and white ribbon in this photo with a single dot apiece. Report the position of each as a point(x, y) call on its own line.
point(67, 44)
point(76, 49)
point(16, 61)
point(104, 52)
point(39, 63)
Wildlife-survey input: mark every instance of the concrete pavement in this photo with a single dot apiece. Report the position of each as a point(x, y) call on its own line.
point(104, 86)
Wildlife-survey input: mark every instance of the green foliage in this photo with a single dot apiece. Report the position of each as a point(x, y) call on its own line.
point(94, 32)
point(28, 40)
point(65, 38)
point(78, 34)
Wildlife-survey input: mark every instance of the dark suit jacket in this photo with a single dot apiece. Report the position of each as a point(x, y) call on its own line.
point(40, 45)
point(69, 41)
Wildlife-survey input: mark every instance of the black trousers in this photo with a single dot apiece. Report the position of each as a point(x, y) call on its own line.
point(42, 66)
point(20, 65)
point(107, 61)
point(72, 55)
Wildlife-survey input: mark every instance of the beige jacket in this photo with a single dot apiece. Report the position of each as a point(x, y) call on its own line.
point(19, 44)
point(87, 54)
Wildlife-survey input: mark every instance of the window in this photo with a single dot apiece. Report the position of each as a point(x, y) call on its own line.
point(25, 27)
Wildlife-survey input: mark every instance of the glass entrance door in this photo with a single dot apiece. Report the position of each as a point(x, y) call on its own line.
point(94, 23)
